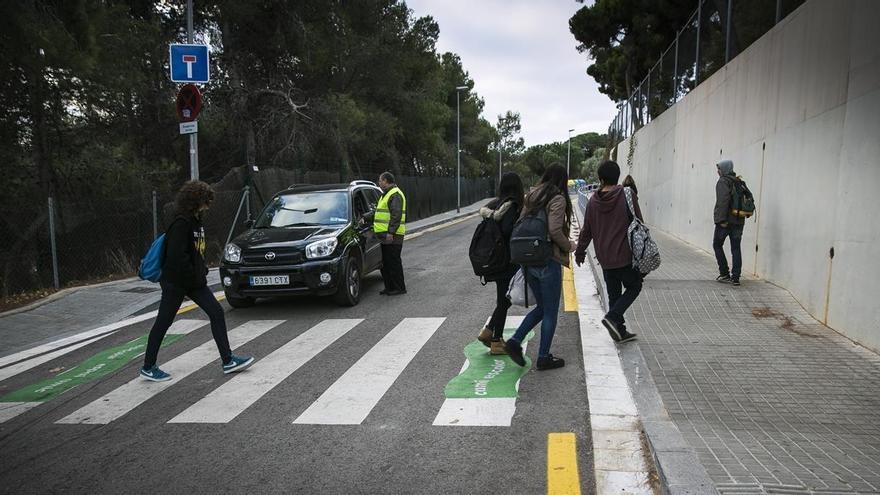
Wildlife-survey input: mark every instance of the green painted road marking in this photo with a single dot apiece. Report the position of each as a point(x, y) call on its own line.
point(101, 364)
point(487, 375)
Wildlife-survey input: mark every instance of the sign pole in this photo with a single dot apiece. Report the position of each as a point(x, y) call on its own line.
point(193, 138)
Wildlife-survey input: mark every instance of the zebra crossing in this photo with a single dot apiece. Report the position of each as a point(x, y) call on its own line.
point(347, 401)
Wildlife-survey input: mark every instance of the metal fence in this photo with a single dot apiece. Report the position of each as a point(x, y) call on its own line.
point(70, 242)
point(717, 31)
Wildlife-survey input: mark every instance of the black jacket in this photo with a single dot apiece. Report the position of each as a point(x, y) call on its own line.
point(506, 215)
point(184, 264)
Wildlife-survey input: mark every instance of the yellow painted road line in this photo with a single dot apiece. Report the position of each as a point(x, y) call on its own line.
point(571, 303)
point(562, 468)
point(219, 295)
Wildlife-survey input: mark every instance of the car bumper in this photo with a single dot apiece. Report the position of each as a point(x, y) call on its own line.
point(305, 278)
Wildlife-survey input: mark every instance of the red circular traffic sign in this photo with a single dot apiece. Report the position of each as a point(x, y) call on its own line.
point(189, 102)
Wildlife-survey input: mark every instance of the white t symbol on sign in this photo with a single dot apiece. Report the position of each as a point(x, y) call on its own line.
point(189, 60)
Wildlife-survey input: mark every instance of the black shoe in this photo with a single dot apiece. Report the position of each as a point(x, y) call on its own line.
point(734, 281)
point(514, 350)
point(724, 279)
point(395, 292)
point(383, 292)
point(612, 329)
point(626, 337)
point(550, 362)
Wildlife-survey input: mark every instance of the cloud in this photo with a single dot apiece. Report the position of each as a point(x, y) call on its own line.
point(522, 57)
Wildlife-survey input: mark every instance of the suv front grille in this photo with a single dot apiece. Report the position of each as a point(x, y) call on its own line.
point(283, 256)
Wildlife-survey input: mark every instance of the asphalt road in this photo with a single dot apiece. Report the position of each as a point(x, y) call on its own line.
point(394, 449)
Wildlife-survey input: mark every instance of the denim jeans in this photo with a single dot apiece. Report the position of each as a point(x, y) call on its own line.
point(735, 233)
point(546, 284)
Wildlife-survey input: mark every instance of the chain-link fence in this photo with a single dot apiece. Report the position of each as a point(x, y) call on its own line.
point(716, 32)
point(69, 242)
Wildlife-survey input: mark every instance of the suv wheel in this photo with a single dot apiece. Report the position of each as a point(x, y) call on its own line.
point(240, 302)
point(349, 291)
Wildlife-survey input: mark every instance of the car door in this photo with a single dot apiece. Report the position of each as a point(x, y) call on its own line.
point(372, 247)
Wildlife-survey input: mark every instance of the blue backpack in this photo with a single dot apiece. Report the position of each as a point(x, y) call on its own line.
point(151, 265)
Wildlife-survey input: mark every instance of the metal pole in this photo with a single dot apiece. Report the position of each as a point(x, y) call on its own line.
point(778, 11)
point(458, 153)
point(568, 160)
point(648, 98)
point(697, 57)
point(155, 217)
point(244, 198)
point(55, 280)
point(675, 72)
point(193, 138)
point(727, 35)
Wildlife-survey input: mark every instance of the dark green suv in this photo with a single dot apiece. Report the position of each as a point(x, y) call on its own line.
point(308, 240)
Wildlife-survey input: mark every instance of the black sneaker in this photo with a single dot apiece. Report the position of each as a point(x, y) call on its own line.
point(612, 329)
point(514, 350)
point(734, 281)
point(724, 279)
point(626, 337)
point(550, 363)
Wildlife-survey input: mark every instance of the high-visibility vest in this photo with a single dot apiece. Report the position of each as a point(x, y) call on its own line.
point(383, 214)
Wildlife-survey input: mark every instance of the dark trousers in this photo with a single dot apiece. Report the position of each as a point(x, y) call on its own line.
point(172, 298)
point(616, 279)
point(502, 304)
point(735, 233)
point(392, 267)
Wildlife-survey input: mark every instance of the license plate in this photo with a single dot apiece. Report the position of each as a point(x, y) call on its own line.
point(270, 280)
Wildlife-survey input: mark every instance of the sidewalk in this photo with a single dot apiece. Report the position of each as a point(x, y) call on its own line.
point(740, 389)
point(79, 309)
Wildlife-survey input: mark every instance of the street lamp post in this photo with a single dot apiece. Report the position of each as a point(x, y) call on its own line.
point(568, 161)
point(458, 146)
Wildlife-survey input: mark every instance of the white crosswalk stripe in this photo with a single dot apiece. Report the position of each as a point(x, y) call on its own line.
point(134, 393)
point(231, 399)
point(350, 400)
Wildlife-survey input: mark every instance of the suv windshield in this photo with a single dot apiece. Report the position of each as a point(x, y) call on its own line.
point(303, 209)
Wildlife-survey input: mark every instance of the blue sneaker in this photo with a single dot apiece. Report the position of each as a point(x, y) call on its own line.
point(237, 363)
point(154, 374)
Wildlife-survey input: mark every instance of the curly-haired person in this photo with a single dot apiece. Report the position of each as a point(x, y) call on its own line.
point(184, 273)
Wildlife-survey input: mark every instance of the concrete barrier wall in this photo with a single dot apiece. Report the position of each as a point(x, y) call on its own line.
point(799, 114)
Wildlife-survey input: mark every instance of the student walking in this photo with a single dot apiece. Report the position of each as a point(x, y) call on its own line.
point(727, 225)
point(607, 222)
point(545, 280)
point(389, 226)
point(184, 273)
point(505, 210)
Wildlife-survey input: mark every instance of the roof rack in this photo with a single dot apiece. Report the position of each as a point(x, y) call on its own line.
point(362, 183)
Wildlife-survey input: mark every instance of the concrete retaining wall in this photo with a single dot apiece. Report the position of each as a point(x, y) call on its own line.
point(799, 115)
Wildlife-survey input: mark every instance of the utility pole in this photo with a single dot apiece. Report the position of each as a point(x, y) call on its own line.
point(568, 161)
point(193, 138)
point(458, 139)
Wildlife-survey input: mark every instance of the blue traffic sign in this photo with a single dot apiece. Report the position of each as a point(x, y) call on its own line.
point(189, 63)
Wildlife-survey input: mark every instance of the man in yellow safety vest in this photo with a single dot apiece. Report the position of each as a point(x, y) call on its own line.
point(389, 225)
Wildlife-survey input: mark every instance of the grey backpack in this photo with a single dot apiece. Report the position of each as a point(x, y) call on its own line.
point(530, 243)
point(646, 254)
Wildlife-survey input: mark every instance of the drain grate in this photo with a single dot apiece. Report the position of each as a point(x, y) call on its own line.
point(141, 290)
point(762, 489)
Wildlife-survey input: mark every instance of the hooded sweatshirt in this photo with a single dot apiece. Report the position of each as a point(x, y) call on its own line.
point(184, 263)
point(607, 221)
point(723, 195)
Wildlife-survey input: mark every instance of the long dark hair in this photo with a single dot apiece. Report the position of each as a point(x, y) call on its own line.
point(509, 189)
point(192, 196)
point(553, 182)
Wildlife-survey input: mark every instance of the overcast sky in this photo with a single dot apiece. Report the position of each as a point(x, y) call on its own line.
point(522, 57)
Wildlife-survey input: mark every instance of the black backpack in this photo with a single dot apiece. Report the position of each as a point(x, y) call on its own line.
point(488, 251)
point(530, 241)
point(742, 202)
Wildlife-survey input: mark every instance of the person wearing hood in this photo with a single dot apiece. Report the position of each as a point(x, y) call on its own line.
point(607, 222)
point(727, 225)
point(551, 194)
point(504, 210)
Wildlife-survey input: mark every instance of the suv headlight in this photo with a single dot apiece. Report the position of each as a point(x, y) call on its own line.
point(232, 253)
point(322, 248)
